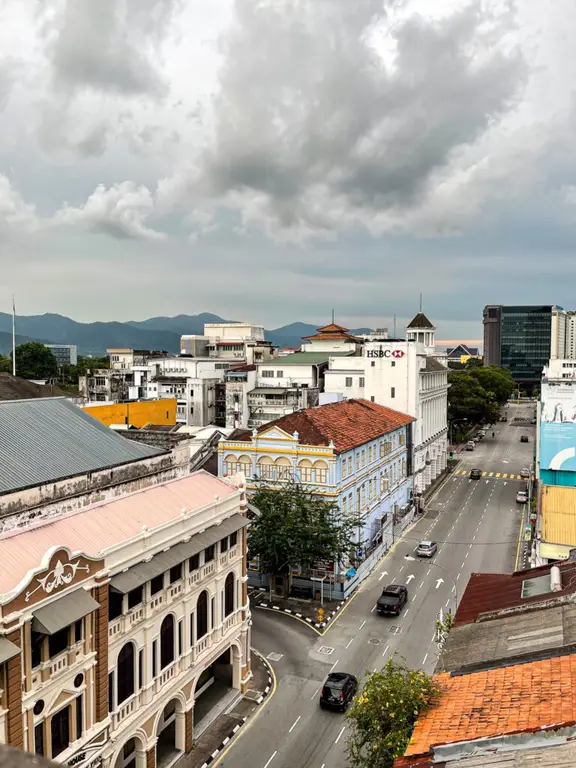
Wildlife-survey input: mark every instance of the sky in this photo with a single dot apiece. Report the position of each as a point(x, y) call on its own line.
point(272, 160)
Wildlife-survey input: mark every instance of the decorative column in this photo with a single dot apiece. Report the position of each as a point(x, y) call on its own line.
point(101, 648)
point(14, 694)
point(189, 726)
point(151, 758)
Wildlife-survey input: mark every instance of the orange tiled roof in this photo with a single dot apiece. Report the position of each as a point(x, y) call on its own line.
point(348, 423)
point(331, 332)
point(528, 697)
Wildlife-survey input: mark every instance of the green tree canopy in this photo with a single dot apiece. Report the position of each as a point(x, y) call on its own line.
point(496, 381)
point(5, 364)
point(382, 718)
point(467, 399)
point(35, 361)
point(297, 528)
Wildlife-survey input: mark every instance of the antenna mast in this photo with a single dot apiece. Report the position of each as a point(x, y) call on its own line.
point(13, 336)
point(420, 302)
point(394, 327)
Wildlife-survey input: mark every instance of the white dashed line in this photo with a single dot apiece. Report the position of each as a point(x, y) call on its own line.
point(446, 606)
point(424, 660)
point(295, 723)
point(350, 643)
point(272, 758)
point(361, 625)
point(337, 737)
point(333, 665)
point(385, 650)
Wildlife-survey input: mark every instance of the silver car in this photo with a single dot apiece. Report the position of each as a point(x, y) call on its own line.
point(525, 472)
point(427, 549)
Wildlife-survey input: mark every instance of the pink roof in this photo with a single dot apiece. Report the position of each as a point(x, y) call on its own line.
point(105, 524)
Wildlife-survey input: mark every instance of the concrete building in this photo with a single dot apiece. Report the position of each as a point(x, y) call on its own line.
point(355, 453)
point(65, 354)
point(563, 341)
point(405, 375)
point(235, 342)
point(519, 338)
point(120, 625)
point(239, 381)
point(134, 414)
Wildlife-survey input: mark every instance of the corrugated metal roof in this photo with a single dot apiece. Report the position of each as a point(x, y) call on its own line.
point(559, 515)
point(304, 358)
point(97, 528)
point(50, 438)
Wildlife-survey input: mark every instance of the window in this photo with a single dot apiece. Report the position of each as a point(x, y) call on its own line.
point(363, 464)
point(154, 658)
point(157, 584)
point(230, 465)
point(224, 545)
point(167, 641)
point(345, 505)
point(362, 381)
point(58, 642)
point(344, 465)
point(321, 469)
point(373, 363)
point(194, 563)
point(60, 731)
point(229, 585)
point(349, 465)
point(371, 398)
point(403, 467)
point(233, 539)
point(401, 438)
point(175, 573)
point(279, 374)
point(244, 465)
point(135, 597)
point(79, 716)
point(267, 374)
point(305, 468)
point(110, 691)
point(180, 636)
point(78, 630)
point(282, 469)
point(209, 553)
point(348, 382)
point(125, 673)
point(393, 363)
point(392, 391)
point(192, 629)
point(37, 643)
point(39, 739)
point(350, 503)
point(141, 669)
point(202, 615)
point(266, 468)
point(363, 494)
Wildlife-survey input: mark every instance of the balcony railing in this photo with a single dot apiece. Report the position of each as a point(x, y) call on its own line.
point(50, 669)
point(123, 624)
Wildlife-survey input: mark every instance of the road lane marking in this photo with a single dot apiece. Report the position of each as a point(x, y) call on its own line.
point(351, 641)
point(447, 601)
point(361, 625)
point(421, 584)
point(457, 577)
point(385, 650)
point(337, 737)
point(295, 723)
point(428, 573)
point(316, 692)
point(333, 665)
point(373, 609)
point(272, 758)
point(406, 614)
point(424, 660)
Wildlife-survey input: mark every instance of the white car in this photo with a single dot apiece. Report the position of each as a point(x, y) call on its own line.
point(522, 497)
point(470, 445)
point(525, 472)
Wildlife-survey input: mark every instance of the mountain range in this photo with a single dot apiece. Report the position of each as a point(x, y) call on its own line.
point(155, 333)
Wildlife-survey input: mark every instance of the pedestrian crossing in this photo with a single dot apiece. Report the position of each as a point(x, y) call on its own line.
point(493, 475)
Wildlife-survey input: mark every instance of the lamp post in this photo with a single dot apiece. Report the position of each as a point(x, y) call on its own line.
point(451, 426)
point(446, 571)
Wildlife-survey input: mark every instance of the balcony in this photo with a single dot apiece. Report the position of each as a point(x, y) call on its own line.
point(126, 709)
point(51, 669)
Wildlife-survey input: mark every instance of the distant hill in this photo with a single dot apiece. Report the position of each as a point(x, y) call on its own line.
point(154, 333)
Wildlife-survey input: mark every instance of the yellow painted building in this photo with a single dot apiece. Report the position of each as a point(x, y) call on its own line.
point(135, 414)
point(558, 509)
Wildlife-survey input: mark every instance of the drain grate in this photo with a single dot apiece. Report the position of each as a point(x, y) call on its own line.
point(274, 656)
point(253, 695)
point(375, 641)
point(326, 650)
point(395, 630)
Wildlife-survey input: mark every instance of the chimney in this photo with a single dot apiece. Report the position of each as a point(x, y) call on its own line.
point(555, 579)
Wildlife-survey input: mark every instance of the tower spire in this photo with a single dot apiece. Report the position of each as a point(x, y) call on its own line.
point(420, 302)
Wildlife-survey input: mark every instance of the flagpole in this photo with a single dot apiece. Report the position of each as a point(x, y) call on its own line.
point(13, 336)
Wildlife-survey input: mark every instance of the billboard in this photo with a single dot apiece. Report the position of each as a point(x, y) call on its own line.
point(558, 426)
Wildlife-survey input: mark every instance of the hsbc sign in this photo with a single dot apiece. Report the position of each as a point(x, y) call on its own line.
point(396, 353)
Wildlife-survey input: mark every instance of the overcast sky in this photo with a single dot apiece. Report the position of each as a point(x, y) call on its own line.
point(269, 160)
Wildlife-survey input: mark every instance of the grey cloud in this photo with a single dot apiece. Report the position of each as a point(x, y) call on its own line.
point(109, 45)
point(314, 130)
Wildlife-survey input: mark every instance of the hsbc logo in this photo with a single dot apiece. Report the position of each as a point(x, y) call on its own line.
point(396, 353)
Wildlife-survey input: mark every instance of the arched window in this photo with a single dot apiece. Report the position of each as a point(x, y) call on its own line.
point(321, 469)
point(305, 467)
point(229, 594)
point(167, 641)
point(266, 468)
point(230, 465)
point(125, 674)
point(202, 615)
point(245, 465)
point(282, 469)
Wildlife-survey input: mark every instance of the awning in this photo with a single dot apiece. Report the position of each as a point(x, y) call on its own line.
point(63, 612)
point(7, 650)
point(268, 391)
point(140, 574)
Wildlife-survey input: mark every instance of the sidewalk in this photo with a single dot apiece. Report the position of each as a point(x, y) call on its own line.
point(219, 734)
point(309, 611)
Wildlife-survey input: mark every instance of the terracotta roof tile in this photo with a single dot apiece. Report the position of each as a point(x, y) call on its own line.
point(348, 423)
point(535, 696)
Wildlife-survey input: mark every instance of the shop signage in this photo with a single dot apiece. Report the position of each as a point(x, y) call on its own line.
point(396, 353)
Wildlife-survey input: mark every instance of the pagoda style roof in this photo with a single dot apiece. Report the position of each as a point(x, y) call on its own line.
point(331, 332)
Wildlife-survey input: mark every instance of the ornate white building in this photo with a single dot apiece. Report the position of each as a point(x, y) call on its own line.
point(123, 624)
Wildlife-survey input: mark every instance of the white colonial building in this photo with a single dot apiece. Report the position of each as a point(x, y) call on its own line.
point(410, 377)
point(123, 624)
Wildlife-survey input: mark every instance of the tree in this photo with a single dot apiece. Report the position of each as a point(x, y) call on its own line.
point(382, 718)
point(35, 361)
point(5, 364)
point(297, 528)
point(468, 400)
point(496, 381)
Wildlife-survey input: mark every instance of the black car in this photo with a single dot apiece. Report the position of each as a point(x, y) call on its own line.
point(524, 439)
point(338, 691)
point(475, 474)
point(392, 600)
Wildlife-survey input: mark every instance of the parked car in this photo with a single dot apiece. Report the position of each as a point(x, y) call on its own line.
point(522, 497)
point(475, 474)
point(525, 473)
point(426, 549)
point(504, 418)
point(338, 691)
point(392, 600)
point(470, 445)
point(524, 439)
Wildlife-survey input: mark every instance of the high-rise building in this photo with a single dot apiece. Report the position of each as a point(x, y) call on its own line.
point(563, 341)
point(519, 338)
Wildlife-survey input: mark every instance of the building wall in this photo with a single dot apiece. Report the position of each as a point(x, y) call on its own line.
point(492, 320)
point(136, 414)
point(277, 375)
point(234, 331)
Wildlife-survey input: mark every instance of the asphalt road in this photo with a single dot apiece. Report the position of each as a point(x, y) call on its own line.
point(476, 524)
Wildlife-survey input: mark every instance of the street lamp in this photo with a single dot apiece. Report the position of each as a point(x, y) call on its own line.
point(446, 571)
point(450, 428)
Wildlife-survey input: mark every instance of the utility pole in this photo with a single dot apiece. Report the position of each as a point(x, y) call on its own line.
point(13, 336)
